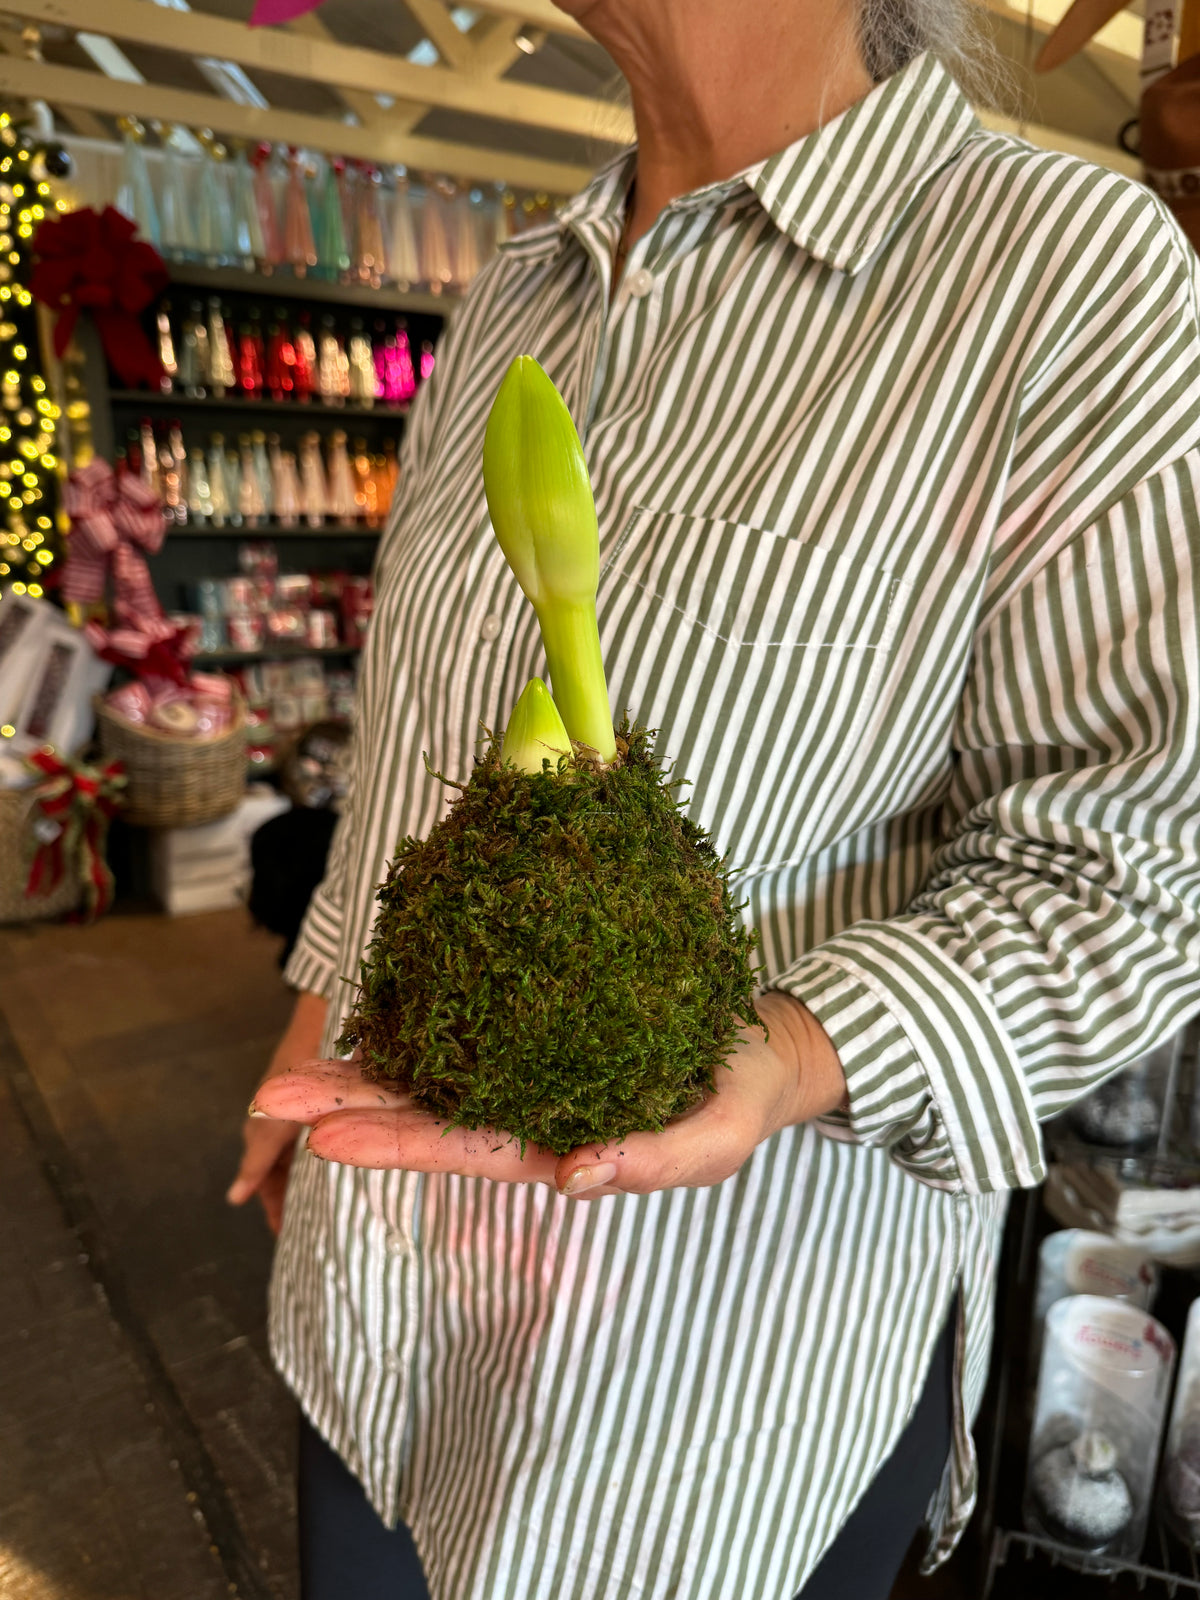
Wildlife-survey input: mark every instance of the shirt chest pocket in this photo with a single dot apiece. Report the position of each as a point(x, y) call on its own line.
point(759, 659)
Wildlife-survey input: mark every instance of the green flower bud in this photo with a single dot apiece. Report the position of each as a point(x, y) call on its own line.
point(535, 731)
point(540, 500)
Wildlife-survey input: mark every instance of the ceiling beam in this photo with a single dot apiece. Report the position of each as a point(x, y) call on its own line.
point(1119, 39)
point(538, 13)
point(84, 123)
point(493, 46)
point(402, 115)
point(435, 22)
point(68, 86)
point(273, 49)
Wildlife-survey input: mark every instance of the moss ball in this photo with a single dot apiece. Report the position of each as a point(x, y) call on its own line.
point(560, 959)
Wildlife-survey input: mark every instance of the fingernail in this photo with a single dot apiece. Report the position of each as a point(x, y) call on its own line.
point(316, 1154)
point(585, 1178)
point(255, 1112)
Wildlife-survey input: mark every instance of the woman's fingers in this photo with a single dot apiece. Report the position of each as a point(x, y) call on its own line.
point(316, 1088)
point(264, 1146)
point(417, 1142)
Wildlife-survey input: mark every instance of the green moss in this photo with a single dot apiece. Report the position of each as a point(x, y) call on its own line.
point(560, 959)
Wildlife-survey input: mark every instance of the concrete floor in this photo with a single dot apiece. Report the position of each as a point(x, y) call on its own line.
point(146, 1446)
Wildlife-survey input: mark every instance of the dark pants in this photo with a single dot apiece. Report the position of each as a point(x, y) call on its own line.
point(346, 1553)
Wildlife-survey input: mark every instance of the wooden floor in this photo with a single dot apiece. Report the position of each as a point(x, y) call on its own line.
point(145, 1443)
point(146, 1446)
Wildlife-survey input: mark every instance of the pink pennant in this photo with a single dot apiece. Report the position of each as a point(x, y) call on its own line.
point(268, 11)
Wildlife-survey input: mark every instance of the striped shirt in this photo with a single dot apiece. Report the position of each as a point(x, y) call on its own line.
point(895, 440)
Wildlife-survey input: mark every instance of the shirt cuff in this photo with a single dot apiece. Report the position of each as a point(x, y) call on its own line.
point(931, 1073)
point(315, 959)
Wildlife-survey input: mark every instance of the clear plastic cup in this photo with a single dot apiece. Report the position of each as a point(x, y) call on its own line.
point(1101, 1402)
point(1181, 1462)
point(1075, 1261)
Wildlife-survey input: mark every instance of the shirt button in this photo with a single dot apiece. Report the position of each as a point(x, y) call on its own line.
point(391, 1362)
point(396, 1246)
point(640, 283)
point(491, 628)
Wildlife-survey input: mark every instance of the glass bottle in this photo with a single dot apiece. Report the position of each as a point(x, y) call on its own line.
point(285, 483)
point(314, 490)
point(280, 374)
point(332, 383)
point(199, 499)
point(220, 353)
point(306, 360)
point(329, 229)
point(166, 348)
point(192, 374)
point(362, 365)
point(262, 470)
point(299, 250)
point(267, 207)
point(251, 356)
point(151, 471)
point(250, 249)
point(250, 498)
point(404, 259)
point(366, 503)
point(342, 507)
point(217, 490)
point(135, 197)
point(369, 259)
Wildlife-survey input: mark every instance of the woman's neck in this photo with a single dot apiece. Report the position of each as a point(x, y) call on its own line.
point(720, 84)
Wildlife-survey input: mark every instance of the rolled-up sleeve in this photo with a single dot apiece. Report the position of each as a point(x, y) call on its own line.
point(1057, 936)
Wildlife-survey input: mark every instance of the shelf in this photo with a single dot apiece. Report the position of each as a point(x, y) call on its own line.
point(277, 652)
point(152, 399)
point(282, 285)
point(1169, 1569)
point(272, 530)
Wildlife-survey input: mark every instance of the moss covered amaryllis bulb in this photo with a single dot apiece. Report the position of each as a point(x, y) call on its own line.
point(540, 500)
point(561, 959)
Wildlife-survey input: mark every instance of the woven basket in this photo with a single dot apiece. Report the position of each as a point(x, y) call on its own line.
point(17, 844)
point(174, 782)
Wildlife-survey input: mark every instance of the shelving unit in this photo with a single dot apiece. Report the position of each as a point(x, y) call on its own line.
point(1015, 1563)
point(239, 406)
point(191, 553)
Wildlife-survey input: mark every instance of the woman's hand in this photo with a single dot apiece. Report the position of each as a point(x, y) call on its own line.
point(268, 1144)
point(766, 1087)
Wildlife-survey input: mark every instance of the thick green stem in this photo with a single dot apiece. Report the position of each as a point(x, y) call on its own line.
point(572, 642)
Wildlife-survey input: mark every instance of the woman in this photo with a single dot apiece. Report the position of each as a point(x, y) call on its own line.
point(892, 427)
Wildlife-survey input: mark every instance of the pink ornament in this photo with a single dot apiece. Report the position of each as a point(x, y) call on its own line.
point(268, 11)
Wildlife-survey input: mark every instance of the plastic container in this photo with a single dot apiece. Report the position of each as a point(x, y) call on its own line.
point(1101, 1403)
point(1074, 1261)
point(1181, 1463)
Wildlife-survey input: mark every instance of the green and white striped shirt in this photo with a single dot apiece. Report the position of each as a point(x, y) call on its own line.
point(895, 440)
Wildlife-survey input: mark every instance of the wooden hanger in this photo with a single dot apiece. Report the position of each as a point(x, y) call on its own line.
point(1085, 19)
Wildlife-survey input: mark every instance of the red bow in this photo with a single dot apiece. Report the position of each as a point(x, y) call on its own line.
point(76, 802)
point(113, 520)
point(91, 261)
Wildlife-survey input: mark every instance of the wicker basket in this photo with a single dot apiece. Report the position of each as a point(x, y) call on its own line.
point(174, 782)
point(16, 849)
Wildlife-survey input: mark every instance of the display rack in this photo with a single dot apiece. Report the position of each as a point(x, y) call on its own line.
point(190, 553)
point(1012, 1561)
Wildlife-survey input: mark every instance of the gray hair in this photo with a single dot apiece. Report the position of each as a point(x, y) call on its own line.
point(957, 32)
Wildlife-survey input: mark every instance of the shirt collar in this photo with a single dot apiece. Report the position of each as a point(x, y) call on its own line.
point(837, 192)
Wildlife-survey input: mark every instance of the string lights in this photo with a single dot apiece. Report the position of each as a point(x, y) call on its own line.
point(29, 417)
